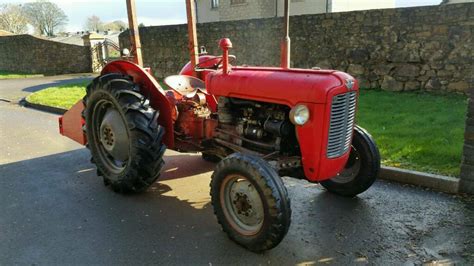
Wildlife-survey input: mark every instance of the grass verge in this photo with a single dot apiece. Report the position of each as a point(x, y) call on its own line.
point(64, 96)
point(12, 75)
point(416, 131)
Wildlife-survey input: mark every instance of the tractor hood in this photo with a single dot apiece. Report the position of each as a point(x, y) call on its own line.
point(277, 85)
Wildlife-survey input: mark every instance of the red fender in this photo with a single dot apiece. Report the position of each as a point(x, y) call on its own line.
point(151, 89)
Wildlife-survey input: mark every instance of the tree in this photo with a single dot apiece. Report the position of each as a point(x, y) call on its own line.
point(141, 25)
point(93, 23)
point(13, 19)
point(117, 25)
point(45, 17)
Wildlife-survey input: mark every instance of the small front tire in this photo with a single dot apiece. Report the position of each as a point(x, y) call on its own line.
point(250, 202)
point(361, 169)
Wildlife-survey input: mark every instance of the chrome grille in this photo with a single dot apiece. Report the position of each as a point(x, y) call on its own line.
point(343, 109)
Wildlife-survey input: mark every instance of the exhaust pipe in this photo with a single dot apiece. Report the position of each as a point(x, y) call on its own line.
point(134, 33)
point(286, 42)
point(192, 35)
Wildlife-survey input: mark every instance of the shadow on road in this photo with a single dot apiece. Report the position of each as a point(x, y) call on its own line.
point(56, 210)
point(56, 83)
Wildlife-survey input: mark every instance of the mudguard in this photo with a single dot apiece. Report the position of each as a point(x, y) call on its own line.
point(151, 89)
point(71, 123)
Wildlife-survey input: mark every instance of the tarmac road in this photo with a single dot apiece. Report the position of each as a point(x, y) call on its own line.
point(55, 210)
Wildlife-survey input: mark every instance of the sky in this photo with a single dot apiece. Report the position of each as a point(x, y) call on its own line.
point(150, 12)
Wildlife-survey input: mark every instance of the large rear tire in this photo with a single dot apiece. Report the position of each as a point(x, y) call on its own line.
point(361, 169)
point(123, 134)
point(250, 202)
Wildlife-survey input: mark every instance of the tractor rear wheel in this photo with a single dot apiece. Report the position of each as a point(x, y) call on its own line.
point(250, 202)
point(361, 169)
point(123, 134)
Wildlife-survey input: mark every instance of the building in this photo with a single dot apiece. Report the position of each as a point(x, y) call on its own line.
point(456, 1)
point(77, 38)
point(5, 33)
point(224, 10)
point(353, 5)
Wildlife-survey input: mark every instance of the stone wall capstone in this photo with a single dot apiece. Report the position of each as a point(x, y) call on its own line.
point(28, 54)
point(467, 165)
point(422, 48)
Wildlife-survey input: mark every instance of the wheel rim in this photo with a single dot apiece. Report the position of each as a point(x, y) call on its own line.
point(352, 168)
point(242, 205)
point(111, 136)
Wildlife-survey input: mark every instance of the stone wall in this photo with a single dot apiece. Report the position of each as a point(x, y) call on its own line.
point(421, 48)
point(28, 54)
point(467, 166)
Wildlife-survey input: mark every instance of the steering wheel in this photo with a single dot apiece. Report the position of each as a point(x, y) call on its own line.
point(215, 66)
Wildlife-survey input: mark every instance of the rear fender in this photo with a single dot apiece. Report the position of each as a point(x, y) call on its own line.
point(151, 89)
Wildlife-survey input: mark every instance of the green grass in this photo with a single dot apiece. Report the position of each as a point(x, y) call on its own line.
point(64, 96)
point(416, 131)
point(12, 75)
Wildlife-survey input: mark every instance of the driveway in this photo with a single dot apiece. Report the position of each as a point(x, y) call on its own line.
point(55, 210)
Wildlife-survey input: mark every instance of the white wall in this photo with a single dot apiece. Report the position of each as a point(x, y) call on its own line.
point(460, 1)
point(350, 5)
point(205, 13)
point(302, 7)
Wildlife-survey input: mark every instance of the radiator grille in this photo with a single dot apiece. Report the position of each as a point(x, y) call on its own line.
point(343, 109)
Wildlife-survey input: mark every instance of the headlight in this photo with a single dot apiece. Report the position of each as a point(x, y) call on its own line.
point(125, 52)
point(299, 115)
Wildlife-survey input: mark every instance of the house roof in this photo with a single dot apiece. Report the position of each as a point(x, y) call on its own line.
point(95, 36)
point(77, 40)
point(5, 33)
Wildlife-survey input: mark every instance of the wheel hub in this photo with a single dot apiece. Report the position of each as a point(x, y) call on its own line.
point(352, 168)
point(244, 205)
point(114, 136)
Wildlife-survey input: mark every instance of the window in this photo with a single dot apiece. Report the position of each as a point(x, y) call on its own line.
point(236, 2)
point(214, 3)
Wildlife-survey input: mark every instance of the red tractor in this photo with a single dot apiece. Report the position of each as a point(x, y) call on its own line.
point(257, 123)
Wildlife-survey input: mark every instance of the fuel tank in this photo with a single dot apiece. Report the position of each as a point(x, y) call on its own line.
point(276, 85)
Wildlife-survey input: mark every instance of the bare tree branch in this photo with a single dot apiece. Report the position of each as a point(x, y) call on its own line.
point(46, 17)
point(93, 23)
point(12, 19)
point(117, 25)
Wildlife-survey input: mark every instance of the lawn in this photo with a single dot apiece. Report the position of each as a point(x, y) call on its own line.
point(415, 131)
point(13, 75)
point(63, 96)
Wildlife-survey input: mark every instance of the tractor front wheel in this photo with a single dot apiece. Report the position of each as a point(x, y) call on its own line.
point(123, 134)
point(250, 202)
point(361, 169)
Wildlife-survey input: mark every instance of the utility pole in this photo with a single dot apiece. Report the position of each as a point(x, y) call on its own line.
point(134, 33)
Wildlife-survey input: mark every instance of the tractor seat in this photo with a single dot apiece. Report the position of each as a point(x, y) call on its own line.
point(186, 86)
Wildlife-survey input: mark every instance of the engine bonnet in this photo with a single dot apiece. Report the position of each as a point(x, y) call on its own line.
point(283, 86)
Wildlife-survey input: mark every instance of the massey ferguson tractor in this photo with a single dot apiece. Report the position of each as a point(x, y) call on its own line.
point(256, 123)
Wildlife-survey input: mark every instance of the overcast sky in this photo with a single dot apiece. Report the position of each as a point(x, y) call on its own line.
point(150, 12)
